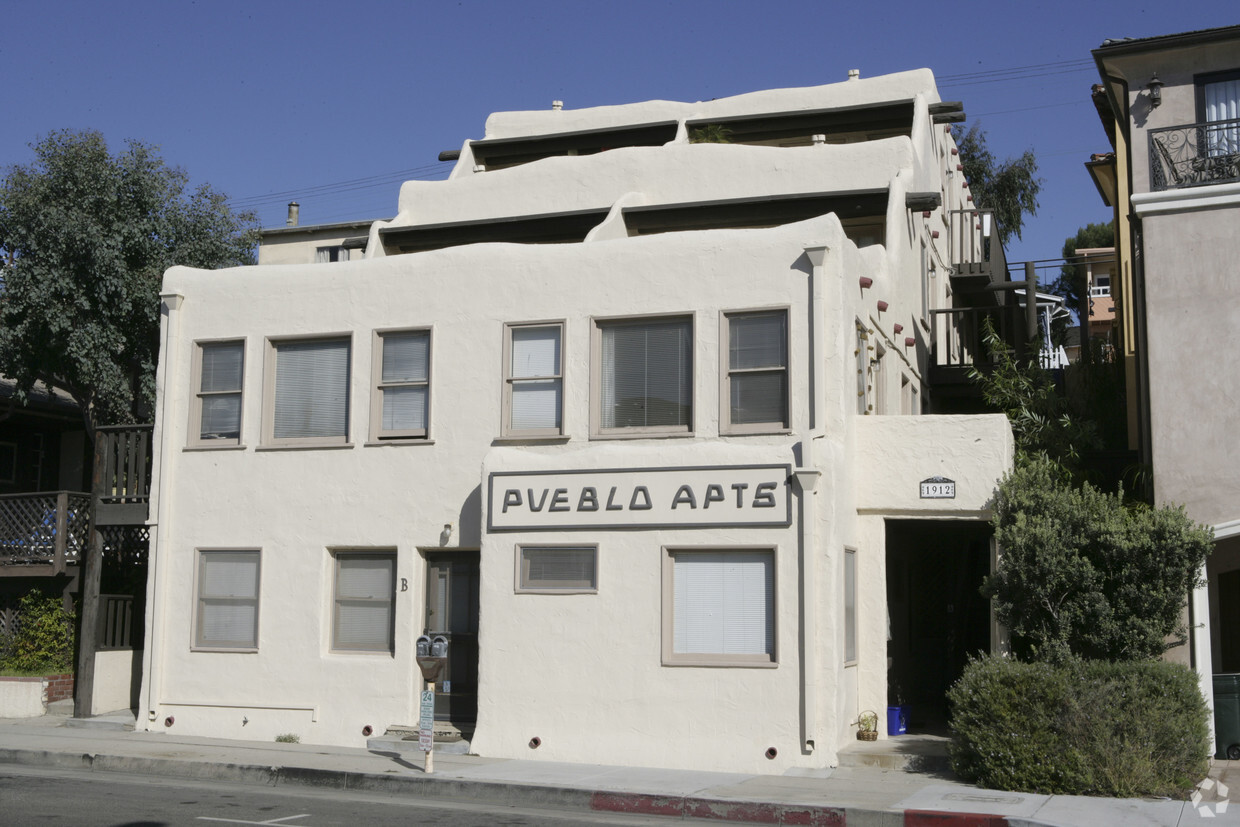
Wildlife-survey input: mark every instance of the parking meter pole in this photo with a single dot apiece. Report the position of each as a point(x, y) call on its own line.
point(430, 752)
point(432, 658)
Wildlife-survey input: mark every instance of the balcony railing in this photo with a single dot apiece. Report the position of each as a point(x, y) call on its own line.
point(123, 473)
point(959, 335)
point(1195, 154)
point(974, 246)
point(48, 529)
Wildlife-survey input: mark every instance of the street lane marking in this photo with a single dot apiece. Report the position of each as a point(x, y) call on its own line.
point(243, 821)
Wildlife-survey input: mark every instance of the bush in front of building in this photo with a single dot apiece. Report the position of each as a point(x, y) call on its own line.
point(43, 640)
point(1083, 574)
point(1079, 727)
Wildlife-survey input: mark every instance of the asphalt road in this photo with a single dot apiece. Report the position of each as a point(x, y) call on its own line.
point(30, 796)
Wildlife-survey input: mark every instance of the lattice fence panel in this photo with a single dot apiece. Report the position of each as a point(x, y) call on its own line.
point(27, 529)
point(125, 545)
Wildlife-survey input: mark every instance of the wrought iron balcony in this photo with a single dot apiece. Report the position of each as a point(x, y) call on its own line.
point(1195, 154)
point(43, 533)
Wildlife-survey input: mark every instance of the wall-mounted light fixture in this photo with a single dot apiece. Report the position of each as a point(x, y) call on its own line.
point(1155, 86)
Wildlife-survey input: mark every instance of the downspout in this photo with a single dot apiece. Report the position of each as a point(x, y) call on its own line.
point(806, 478)
point(170, 325)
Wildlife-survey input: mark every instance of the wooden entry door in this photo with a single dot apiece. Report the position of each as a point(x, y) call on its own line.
point(452, 611)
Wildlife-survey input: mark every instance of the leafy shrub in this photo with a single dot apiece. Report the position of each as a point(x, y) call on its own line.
point(288, 738)
point(44, 638)
point(1079, 727)
point(1081, 574)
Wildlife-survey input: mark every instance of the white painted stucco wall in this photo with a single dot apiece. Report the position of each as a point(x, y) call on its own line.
point(606, 696)
point(898, 86)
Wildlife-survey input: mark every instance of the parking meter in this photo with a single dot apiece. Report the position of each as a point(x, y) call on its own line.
point(432, 656)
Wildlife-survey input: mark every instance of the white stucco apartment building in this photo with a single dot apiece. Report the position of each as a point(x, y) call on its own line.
point(632, 419)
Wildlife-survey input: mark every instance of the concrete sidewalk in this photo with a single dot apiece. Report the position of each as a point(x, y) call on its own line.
point(846, 795)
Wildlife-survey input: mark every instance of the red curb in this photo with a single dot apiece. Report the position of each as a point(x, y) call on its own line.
point(926, 818)
point(717, 809)
point(636, 803)
point(760, 813)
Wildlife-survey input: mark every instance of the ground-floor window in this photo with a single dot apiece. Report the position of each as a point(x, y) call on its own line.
point(557, 569)
point(226, 615)
point(719, 607)
point(362, 616)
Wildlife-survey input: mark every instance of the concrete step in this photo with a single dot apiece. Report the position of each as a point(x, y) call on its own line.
point(911, 753)
point(401, 738)
point(120, 720)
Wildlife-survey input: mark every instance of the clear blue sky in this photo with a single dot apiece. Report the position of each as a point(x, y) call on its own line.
point(268, 101)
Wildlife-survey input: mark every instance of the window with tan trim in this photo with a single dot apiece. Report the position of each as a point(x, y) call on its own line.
point(547, 569)
point(226, 613)
point(362, 608)
point(533, 379)
point(642, 381)
point(219, 372)
point(401, 382)
point(719, 606)
point(755, 371)
point(306, 399)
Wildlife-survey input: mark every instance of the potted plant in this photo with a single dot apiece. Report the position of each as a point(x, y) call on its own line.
point(867, 726)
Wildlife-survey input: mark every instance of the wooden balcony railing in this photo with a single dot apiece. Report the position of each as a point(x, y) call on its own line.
point(958, 335)
point(117, 627)
point(122, 474)
point(974, 247)
point(43, 533)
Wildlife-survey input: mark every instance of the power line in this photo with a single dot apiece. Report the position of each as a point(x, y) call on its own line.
point(1019, 70)
point(423, 173)
point(1028, 76)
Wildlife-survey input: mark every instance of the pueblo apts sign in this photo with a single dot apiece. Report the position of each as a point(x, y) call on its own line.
point(737, 495)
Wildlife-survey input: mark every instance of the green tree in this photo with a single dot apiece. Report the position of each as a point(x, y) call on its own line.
point(1009, 187)
point(1043, 422)
point(85, 237)
point(1083, 575)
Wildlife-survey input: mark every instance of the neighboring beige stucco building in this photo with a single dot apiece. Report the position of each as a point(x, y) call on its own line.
point(1171, 106)
point(618, 413)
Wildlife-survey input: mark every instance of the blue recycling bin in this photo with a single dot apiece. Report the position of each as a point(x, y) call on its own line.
point(897, 720)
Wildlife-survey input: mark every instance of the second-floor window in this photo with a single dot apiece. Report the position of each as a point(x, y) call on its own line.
point(534, 379)
point(219, 370)
point(400, 405)
point(1219, 105)
point(644, 376)
point(308, 394)
point(756, 384)
point(326, 254)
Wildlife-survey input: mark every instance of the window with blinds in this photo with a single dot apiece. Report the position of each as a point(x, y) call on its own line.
point(400, 404)
point(557, 569)
point(719, 607)
point(227, 610)
point(534, 380)
point(645, 376)
point(362, 615)
point(756, 373)
point(219, 371)
point(309, 395)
